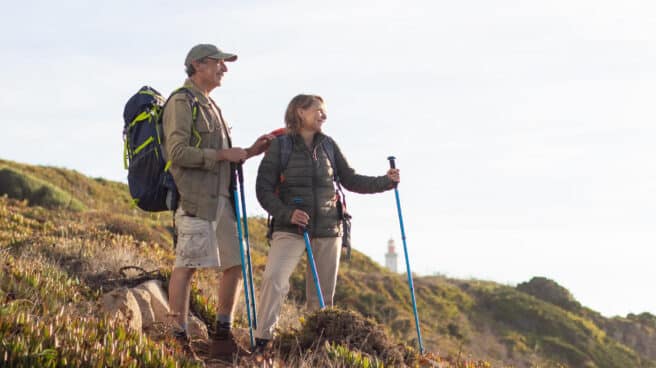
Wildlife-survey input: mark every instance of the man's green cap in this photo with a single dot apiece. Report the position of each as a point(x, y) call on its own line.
point(207, 50)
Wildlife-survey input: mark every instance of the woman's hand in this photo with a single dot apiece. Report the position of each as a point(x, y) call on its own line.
point(394, 175)
point(300, 218)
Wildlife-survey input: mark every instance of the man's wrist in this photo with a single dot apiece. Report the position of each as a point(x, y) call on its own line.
point(219, 155)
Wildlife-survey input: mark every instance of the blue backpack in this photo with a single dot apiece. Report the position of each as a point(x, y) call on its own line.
point(151, 184)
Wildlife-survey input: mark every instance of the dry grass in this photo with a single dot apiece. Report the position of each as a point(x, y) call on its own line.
point(348, 329)
point(60, 259)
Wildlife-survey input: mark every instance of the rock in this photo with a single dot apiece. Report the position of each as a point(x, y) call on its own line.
point(158, 300)
point(121, 304)
point(155, 307)
point(145, 305)
point(197, 328)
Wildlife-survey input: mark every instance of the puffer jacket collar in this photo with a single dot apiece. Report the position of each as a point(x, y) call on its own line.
point(297, 140)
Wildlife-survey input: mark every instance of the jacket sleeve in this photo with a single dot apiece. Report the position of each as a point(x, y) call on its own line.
point(177, 124)
point(359, 183)
point(268, 177)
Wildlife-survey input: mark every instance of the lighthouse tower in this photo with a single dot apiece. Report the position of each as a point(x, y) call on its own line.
point(391, 260)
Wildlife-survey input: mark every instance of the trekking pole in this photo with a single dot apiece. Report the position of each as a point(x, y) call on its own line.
point(313, 266)
point(407, 262)
point(240, 172)
point(243, 267)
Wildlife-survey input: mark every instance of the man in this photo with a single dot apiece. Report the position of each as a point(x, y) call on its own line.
point(197, 142)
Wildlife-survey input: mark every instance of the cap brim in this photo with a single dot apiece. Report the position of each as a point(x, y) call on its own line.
point(224, 56)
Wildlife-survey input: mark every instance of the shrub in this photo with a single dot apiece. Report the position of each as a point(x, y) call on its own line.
point(551, 292)
point(22, 186)
point(347, 329)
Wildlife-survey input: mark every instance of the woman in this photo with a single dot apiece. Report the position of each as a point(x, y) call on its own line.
point(300, 194)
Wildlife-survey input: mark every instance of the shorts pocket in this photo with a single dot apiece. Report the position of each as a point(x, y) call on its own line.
point(193, 238)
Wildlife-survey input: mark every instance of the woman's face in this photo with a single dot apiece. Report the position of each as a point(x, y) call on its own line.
point(313, 117)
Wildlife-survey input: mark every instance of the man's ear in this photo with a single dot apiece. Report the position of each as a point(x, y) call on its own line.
point(196, 64)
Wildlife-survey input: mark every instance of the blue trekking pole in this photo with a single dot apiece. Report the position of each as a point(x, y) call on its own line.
point(240, 172)
point(407, 262)
point(243, 267)
point(313, 266)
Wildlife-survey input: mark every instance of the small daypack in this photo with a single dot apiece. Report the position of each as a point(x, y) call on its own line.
point(286, 146)
point(151, 184)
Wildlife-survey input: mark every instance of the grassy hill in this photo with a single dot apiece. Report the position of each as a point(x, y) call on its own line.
point(65, 238)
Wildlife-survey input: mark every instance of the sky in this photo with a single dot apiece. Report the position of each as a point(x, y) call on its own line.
point(524, 131)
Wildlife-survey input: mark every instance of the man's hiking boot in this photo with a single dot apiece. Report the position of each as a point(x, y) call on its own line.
point(185, 343)
point(224, 344)
point(227, 349)
point(222, 331)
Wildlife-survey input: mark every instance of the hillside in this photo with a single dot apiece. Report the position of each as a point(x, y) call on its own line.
point(65, 238)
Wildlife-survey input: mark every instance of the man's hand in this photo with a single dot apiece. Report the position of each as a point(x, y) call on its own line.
point(232, 154)
point(260, 145)
point(300, 218)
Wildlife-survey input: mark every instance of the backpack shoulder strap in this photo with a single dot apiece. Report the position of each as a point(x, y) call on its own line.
point(192, 99)
point(194, 110)
point(329, 147)
point(285, 150)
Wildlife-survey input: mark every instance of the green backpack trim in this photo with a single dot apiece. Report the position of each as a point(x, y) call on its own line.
point(155, 115)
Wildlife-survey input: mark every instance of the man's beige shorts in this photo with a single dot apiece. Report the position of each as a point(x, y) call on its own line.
point(203, 243)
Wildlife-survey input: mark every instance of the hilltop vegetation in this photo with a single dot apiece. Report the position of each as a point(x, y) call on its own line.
point(64, 239)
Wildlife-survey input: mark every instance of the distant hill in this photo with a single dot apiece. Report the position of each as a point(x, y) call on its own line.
point(64, 239)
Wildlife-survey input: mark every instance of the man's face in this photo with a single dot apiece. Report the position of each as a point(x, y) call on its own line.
point(211, 71)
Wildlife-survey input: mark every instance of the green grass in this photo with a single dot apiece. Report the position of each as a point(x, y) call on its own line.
point(36, 192)
point(45, 321)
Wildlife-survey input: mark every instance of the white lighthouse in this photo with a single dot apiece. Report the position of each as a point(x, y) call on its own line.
point(391, 260)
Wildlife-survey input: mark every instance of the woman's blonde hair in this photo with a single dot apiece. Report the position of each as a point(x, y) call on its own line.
point(293, 122)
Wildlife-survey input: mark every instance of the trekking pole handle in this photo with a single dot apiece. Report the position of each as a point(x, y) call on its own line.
point(392, 162)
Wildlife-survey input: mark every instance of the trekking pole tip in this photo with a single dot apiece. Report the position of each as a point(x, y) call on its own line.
point(392, 161)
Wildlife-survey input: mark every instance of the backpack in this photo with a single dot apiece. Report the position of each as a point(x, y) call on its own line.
point(151, 184)
point(328, 146)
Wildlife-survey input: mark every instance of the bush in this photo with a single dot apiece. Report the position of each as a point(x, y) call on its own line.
point(347, 329)
point(22, 186)
point(551, 292)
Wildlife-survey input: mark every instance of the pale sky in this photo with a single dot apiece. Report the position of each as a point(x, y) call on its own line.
point(523, 129)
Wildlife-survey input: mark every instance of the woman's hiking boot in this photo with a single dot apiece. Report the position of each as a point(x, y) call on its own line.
point(262, 351)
